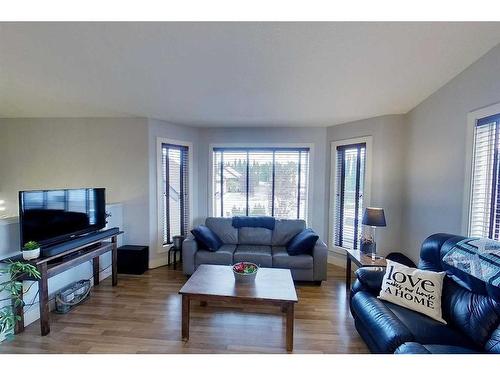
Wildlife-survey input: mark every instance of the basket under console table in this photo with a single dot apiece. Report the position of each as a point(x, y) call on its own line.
point(54, 265)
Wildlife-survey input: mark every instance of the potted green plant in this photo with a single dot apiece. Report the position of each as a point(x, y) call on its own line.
point(31, 250)
point(11, 285)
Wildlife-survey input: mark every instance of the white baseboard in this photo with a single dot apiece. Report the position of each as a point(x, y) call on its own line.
point(158, 262)
point(103, 275)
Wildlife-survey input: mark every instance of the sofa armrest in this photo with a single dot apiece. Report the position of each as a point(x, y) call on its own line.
point(320, 261)
point(368, 279)
point(412, 348)
point(376, 321)
point(189, 249)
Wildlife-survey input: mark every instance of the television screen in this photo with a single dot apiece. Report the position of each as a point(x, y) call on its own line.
point(53, 216)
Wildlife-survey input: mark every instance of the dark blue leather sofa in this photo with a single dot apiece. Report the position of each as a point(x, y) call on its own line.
point(470, 307)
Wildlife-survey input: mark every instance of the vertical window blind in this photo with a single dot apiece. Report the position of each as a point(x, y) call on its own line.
point(260, 181)
point(175, 194)
point(484, 218)
point(350, 173)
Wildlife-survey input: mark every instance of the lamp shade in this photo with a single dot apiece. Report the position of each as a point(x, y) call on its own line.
point(374, 217)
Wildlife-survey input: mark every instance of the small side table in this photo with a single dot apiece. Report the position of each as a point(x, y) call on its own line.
point(173, 251)
point(361, 260)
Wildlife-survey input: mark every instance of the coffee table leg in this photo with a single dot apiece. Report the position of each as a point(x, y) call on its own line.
point(185, 317)
point(289, 326)
point(348, 275)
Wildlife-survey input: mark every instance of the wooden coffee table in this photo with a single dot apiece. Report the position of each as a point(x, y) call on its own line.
point(272, 286)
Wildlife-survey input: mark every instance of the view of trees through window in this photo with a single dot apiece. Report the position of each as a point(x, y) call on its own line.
point(257, 182)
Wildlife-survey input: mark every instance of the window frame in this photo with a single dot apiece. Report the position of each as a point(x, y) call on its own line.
point(163, 248)
point(472, 118)
point(310, 180)
point(334, 186)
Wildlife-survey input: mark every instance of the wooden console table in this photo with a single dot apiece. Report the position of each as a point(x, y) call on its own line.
point(54, 265)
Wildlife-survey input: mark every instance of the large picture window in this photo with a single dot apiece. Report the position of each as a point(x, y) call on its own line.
point(350, 167)
point(260, 181)
point(175, 195)
point(484, 219)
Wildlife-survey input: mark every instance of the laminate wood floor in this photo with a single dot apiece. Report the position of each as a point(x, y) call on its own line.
point(143, 315)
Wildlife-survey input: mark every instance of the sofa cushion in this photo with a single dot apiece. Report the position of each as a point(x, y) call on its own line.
point(417, 348)
point(493, 344)
point(380, 324)
point(285, 230)
point(281, 259)
point(223, 227)
point(255, 236)
point(476, 315)
point(206, 238)
point(426, 330)
point(302, 243)
point(258, 254)
point(223, 256)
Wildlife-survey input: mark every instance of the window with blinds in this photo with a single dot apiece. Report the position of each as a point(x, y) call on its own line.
point(175, 194)
point(260, 181)
point(350, 180)
point(484, 218)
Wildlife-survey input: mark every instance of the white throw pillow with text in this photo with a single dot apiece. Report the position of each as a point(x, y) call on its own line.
point(415, 289)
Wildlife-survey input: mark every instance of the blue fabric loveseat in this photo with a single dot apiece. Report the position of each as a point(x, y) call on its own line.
point(470, 307)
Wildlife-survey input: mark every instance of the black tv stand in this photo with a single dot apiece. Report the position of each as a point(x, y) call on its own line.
point(74, 254)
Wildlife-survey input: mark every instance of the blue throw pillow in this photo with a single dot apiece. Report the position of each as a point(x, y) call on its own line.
point(205, 236)
point(302, 243)
point(254, 222)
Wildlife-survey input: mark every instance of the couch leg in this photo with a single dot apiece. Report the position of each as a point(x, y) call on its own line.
point(318, 283)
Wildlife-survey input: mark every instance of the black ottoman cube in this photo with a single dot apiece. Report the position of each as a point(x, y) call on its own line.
point(133, 259)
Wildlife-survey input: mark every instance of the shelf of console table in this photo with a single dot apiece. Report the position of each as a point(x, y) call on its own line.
point(54, 265)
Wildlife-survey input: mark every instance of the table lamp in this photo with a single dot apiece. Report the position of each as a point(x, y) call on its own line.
point(374, 217)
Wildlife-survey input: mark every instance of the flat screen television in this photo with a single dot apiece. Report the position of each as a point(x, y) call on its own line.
point(54, 216)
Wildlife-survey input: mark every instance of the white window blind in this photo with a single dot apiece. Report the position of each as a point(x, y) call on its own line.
point(350, 171)
point(175, 215)
point(263, 181)
point(484, 218)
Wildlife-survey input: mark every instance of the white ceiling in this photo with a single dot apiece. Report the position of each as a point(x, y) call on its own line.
point(232, 74)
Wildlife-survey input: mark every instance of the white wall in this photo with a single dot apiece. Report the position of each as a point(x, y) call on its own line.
point(253, 136)
point(436, 144)
point(73, 153)
point(118, 154)
point(387, 181)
